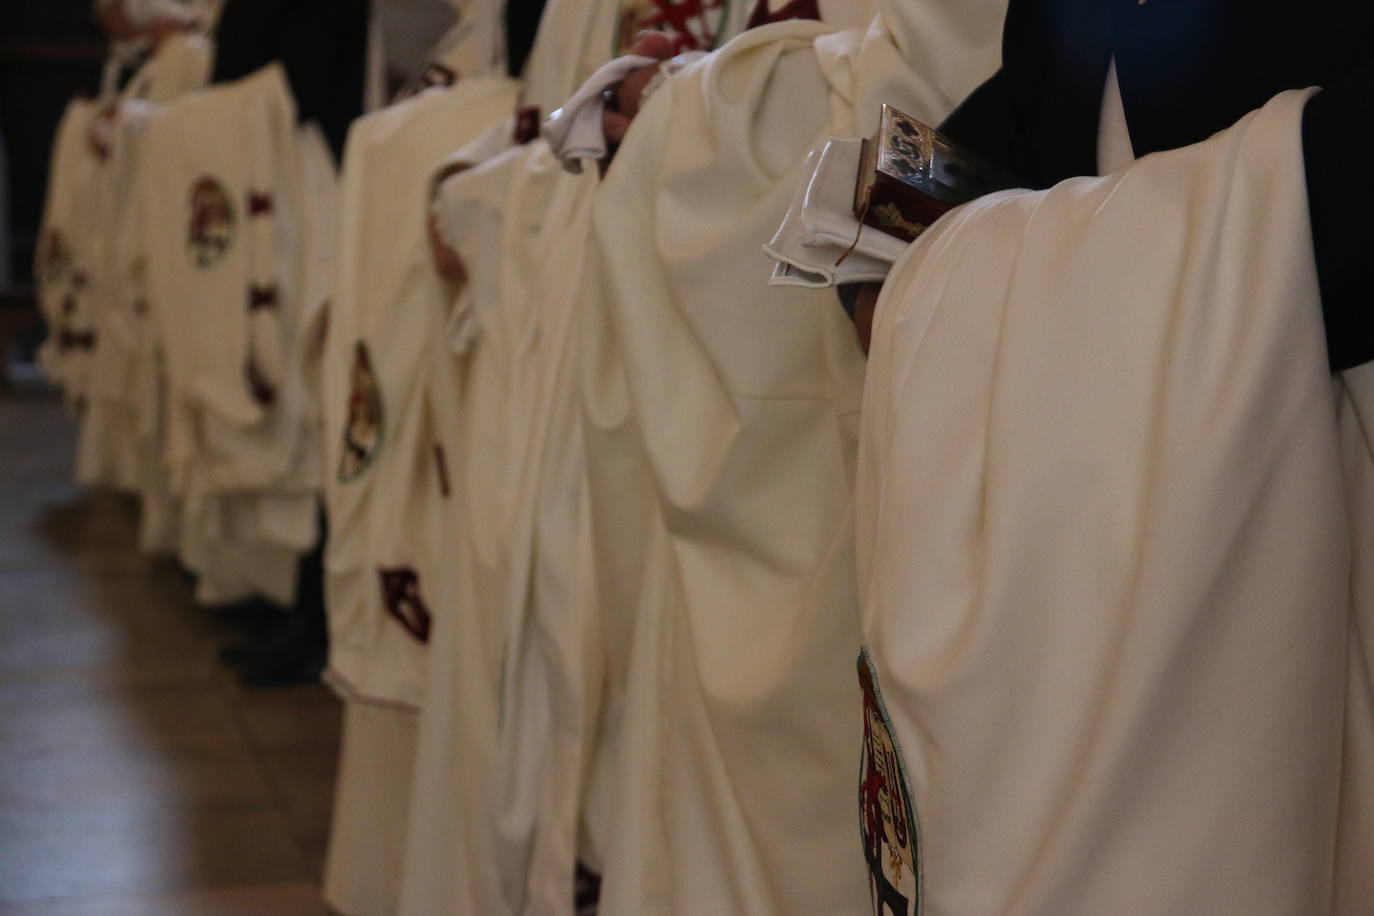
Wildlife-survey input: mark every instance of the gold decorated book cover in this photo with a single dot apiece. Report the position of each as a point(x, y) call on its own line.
point(910, 174)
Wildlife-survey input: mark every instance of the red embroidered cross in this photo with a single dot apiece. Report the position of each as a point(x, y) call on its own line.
point(675, 19)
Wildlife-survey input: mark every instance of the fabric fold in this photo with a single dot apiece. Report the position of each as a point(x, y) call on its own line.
point(1105, 550)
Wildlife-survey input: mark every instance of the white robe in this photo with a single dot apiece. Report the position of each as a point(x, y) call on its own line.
point(489, 728)
point(123, 379)
point(474, 46)
point(505, 732)
point(107, 454)
point(1110, 513)
point(388, 301)
point(386, 555)
point(450, 821)
point(222, 232)
point(722, 420)
point(66, 257)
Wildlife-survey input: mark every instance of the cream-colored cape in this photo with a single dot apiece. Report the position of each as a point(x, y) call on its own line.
point(505, 730)
point(1113, 522)
point(222, 229)
point(120, 442)
point(67, 253)
point(469, 838)
point(491, 781)
point(388, 304)
point(386, 503)
point(721, 426)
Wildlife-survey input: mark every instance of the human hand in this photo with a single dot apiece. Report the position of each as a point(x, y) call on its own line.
point(121, 26)
point(865, 306)
point(165, 26)
point(100, 130)
point(616, 120)
point(448, 264)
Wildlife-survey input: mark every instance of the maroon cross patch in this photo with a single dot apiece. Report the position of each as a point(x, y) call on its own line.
point(690, 24)
point(401, 593)
point(261, 297)
point(260, 203)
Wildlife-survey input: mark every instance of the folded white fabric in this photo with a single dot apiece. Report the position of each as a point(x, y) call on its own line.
point(449, 215)
point(574, 131)
point(1101, 511)
point(811, 244)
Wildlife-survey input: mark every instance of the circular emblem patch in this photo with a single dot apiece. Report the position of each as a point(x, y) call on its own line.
point(693, 25)
point(362, 434)
point(210, 233)
point(887, 819)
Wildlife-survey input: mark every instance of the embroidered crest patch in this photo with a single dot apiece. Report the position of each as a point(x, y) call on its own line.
point(890, 832)
point(401, 592)
point(210, 233)
point(362, 434)
point(693, 25)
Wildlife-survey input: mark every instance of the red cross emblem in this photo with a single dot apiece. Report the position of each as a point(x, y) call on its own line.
point(691, 24)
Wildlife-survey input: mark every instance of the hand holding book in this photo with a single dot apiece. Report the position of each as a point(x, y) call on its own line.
point(859, 202)
point(911, 175)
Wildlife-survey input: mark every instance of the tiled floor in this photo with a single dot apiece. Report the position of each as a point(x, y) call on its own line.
point(136, 778)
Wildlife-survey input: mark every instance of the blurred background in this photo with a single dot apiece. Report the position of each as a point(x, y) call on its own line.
point(50, 50)
point(137, 776)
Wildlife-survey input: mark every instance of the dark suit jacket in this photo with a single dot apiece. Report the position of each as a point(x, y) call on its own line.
point(1187, 69)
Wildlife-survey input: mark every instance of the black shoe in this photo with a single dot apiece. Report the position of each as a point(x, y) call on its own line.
point(293, 654)
point(260, 631)
point(240, 652)
point(283, 669)
point(298, 647)
point(247, 615)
